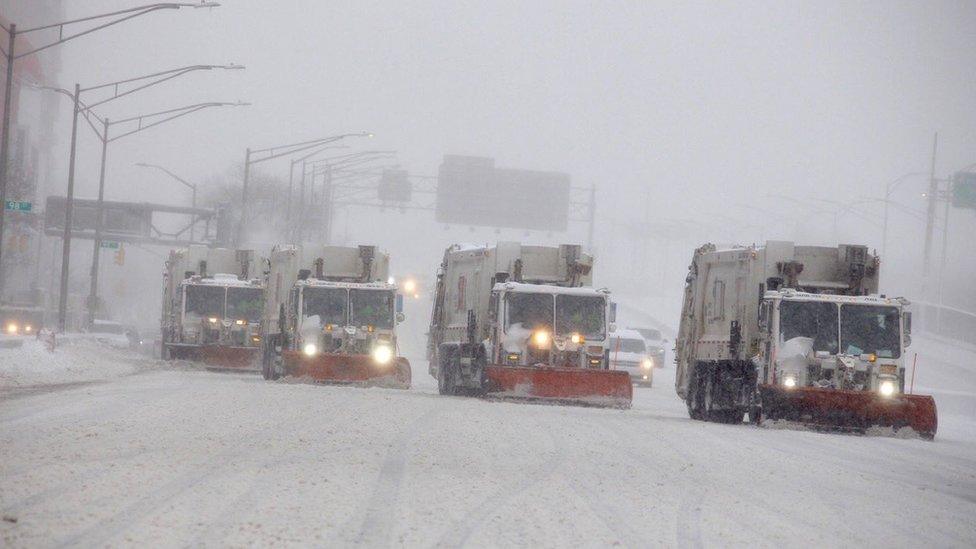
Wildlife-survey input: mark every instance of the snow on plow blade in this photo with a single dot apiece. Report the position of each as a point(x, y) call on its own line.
point(219, 356)
point(606, 388)
point(337, 368)
point(850, 410)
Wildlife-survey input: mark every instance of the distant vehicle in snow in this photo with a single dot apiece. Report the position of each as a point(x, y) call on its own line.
point(333, 316)
point(112, 333)
point(212, 304)
point(656, 345)
point(21, 319)
point(628, 352)
point(523, 322)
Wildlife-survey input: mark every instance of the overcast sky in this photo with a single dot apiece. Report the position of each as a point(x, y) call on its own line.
point(675, 111)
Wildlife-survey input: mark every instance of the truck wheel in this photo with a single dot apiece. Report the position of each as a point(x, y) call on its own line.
point(695, 408)
point(444, 385)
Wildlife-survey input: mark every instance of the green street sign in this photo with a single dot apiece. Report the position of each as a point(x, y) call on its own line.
point(964, 190)
point(111, 244)
point(17, 206)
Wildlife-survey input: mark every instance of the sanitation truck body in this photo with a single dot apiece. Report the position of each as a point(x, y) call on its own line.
point(523, 321)
point(212, 304)
point(331, 316)
point(797, 333)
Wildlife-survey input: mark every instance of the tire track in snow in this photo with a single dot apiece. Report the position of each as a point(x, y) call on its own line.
point(460, 531)
point(379, 513)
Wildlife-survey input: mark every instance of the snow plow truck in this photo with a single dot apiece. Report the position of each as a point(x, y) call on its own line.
point(213, 299)
point(796, 333)
point(331, 316)
point(522, 321)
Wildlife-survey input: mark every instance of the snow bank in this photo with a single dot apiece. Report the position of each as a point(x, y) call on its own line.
point(79, 360)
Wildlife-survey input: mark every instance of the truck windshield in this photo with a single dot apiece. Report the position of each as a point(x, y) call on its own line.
point(871, 329)
point(329, 304)
point(816, 320)
point(581, 314)
point(205, 301)
point(372, 308)
point(531, 311)
point(245, 303)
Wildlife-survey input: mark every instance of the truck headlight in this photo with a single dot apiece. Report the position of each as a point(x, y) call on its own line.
point(647, 363)
point(541, 339)
point(789, 381)
point(310, 349)
point(12, 328)
point(213, 320)
point(513, 358)
point(382, 354)
point(240, 322)
point(576, 339)
point(886, 388)
point(28, 328)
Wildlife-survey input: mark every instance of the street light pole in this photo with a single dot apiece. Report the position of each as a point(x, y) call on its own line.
point(5, 146)
point(277, 152)
point(99, 220)
point(68, 207)
point(171, 114)
point(11, 56)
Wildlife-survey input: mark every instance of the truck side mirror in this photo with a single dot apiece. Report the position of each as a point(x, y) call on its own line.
point(613, 311)
point(906, 322)
point(400, 317)
point(399, 303)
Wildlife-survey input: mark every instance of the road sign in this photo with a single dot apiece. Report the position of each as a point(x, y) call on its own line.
point(17, 206)
point(110, 244)
point(964, 190)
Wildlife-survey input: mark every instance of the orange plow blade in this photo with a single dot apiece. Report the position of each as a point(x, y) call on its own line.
point(605, 388)
point(850, 410)
point(243, 359)
point(353, 369)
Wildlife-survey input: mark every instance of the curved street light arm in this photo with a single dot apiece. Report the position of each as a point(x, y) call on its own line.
point(124, 15)
point(176, 113)
point(160, 78)
point(299, 147)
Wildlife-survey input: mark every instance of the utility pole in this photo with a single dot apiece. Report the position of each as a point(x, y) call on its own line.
point(99, 220)
point(5, 146)
point(68, 209)
point(930, 215)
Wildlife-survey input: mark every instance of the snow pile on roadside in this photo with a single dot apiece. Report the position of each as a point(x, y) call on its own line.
point(81, 360)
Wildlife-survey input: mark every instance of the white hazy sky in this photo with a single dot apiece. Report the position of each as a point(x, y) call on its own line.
point(674, 110)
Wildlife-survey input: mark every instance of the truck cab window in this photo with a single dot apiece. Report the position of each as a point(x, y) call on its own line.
point(329, 304)
point(581, 314)
point(529, 311)
point(205, 301)
point(816, 320)
point(371, 308)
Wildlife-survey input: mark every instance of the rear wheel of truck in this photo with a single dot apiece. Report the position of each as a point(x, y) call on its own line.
point(694, 401)
point(445, 385)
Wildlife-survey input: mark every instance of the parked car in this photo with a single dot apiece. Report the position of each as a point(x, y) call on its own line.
point(628, 352)
point(656, 345)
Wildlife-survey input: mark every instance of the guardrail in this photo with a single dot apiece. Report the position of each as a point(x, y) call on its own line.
point(944, 321)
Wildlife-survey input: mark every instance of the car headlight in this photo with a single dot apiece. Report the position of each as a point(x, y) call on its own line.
point(647, 363)
point(789, 382)
point(382, 354)
point(310, 349)
point(886, 388)
point(12, 328)
point(541, 339)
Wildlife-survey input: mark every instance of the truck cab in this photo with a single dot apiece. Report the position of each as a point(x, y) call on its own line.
point(549, 325)
point(853, 343)
point(220, 310)
point(346, 318)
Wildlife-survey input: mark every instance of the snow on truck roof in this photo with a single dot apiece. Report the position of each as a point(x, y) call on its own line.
point(549, 289)
point(793, 295)
point(223, 279)
point(336, 284)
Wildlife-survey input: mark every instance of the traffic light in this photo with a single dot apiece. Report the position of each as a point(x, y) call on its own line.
point(120, 256)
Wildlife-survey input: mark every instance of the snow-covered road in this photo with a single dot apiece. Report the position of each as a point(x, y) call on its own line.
point(189, 458)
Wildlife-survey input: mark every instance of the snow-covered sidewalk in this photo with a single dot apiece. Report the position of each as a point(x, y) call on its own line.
point(72, 361)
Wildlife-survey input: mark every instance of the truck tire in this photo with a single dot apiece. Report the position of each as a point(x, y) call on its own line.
point(445, 383)
point(269, 359)
point(718, 405)
point(696, 409)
